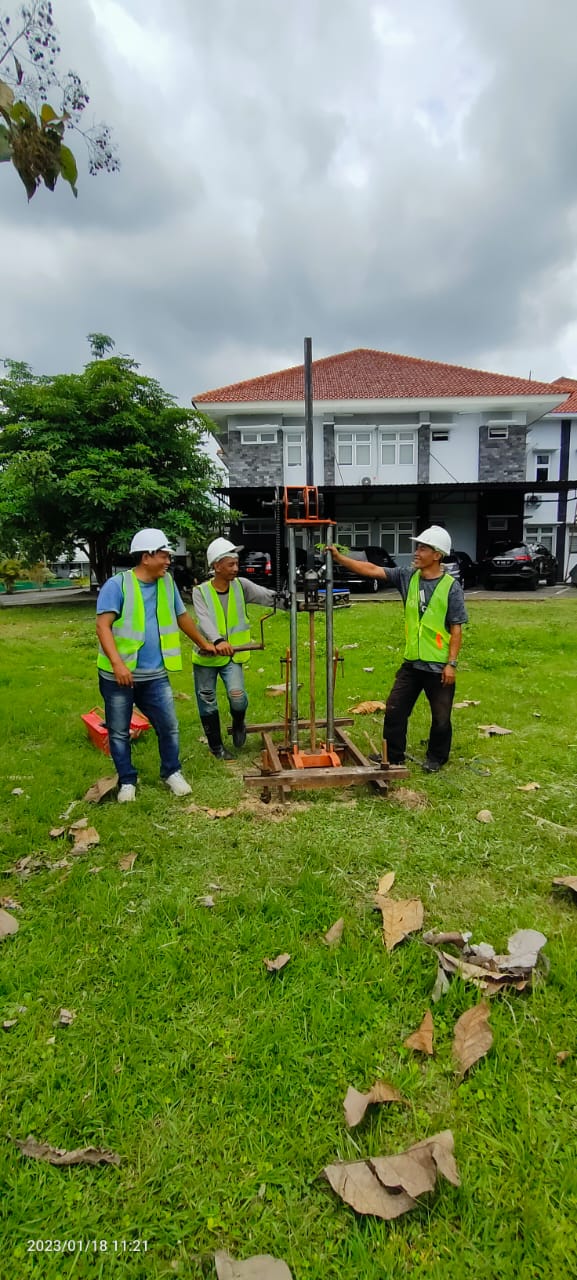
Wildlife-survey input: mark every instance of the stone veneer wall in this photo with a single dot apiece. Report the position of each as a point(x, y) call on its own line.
point(424, 454)
point(501, 460)
point(329, 452)
point(254, 465)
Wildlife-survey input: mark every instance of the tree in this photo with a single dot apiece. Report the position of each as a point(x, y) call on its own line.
point(31, 130)
point(86, 459)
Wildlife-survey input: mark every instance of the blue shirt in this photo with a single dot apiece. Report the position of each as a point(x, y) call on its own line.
point(149, 663)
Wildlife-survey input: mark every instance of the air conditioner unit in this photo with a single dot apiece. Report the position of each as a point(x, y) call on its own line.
point(366, 480)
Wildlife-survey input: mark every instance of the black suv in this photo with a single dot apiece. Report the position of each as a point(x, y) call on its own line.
point(257, 567)
point(522, 563)
point(460, 565)
point(356, 581)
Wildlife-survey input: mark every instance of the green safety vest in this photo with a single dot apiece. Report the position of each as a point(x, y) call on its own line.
point(427, 634)
point(128, 630)
point(236, 626)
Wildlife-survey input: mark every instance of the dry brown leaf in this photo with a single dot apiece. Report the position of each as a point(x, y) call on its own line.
point(10, 904)
point(12, 1022)
point(409, 799)
point(66, 1018)
point(57, 866)
point(440, 939)
point(57, 1155)
point(484, 815)
point(563, 1055)
point(333, 935)
point(210, 813)
point(101, 788)
point(80, 825)
point(566, 882)
point(400, 918)
point(84, 839)
point(127, 862)
point(388, 1186)
point(8, 924)
point(274, 966)
point(183, 697)
point(473, 1037)
point(356, 1104)
point(386, 883)
point(493, 730)
point(276, 690)
point(56, 832)
point(368, 708)
point(422, 1039)
point(24, 867)
point(468, 702)
point(530, 786)
point(93, 871)
point(261, 1267)
point(207, 901)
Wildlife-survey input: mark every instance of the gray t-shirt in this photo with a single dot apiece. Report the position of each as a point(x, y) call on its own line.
point(253, 594)
point(456, 611)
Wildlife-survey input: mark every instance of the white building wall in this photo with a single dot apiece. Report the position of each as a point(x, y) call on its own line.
point(457, 458)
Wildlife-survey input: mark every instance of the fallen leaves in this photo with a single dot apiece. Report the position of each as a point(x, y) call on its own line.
point(356, 1104)
point(84, 837)
point(566, 882)
point(562, 1056)
point(484, 815)
point(333, 935)
point(183, 697)
point(10, 904)
point(468, 702)
point(400, 918)
point(386, 883)
point(65, 1018)
point(56, 832)
point(275, 966)
point(57, 1155)
point(422, 1039)
point(262, 1267)
point(206, 901)
point(25, 867)
point(530, 786)
point(368, 708)
point(480, 964)
point(389, 1186)
point(127, 861)
point(8, 924)
point(473, 1037)
point(210, 813)
point(493, 730)
point(101, 788)
point(409, 799)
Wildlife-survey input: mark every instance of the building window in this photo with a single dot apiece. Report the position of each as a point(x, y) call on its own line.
point(266, 436)
point(396, 536)
point(542, 464)
point(440, 435)
point(354, 447)
point(542, 534)
point(497, 524)
point(354, 535)
point(498, 433)
point(397, 448)
point(294, 448)
point(257, 526)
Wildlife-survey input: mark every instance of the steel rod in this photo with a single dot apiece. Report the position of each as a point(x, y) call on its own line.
point(294, 676)
point(309, 437)
point(312, 675)
point(329, 641)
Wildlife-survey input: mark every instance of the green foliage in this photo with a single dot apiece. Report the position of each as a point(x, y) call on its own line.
point(31, 130)
point(11, 568)
point(89, 458)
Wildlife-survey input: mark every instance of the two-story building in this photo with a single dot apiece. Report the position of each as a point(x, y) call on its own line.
point(400, 443)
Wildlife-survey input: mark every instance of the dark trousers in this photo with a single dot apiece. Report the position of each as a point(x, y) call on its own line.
point(409, 683)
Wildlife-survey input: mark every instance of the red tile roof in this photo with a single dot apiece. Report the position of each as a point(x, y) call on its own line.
point(374, 375)
point(567, 384)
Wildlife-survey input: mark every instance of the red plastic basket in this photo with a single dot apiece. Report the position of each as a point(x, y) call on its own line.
point(98, 733)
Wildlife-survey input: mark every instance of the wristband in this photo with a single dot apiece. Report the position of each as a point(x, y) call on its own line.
point(452, 662)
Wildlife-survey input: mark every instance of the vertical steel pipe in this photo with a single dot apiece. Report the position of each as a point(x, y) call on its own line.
point(294, 675)
point(329, 636)
point(309, 440)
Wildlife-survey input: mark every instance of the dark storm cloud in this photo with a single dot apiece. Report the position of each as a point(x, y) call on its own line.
point(372, 174)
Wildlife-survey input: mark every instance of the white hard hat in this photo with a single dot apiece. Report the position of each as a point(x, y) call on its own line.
point(218, 548)
point(150, 540)
point(436, 537)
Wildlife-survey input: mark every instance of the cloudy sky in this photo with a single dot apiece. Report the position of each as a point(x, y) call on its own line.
point(399, 175)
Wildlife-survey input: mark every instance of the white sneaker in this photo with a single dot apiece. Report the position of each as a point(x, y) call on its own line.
point(126, 793)
point(178, 785)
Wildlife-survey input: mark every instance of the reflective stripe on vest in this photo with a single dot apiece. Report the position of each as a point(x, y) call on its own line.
point(426, 634)
point(236, 626)
point(129, 629)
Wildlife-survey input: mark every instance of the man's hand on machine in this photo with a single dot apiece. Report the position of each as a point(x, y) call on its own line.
point(282, 600)
point(223, 648)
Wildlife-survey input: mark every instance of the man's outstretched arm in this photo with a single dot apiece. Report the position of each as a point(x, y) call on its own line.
point(362, 567)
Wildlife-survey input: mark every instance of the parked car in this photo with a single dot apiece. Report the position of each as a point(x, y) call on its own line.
point(522, 563)
point(462, 567)
point(356, 581)
point(257, 566)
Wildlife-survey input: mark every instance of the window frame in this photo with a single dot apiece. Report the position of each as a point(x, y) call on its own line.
point(397, 437)
point(498, 432)
point(395, 527)
point(347, 438)
point(254, 435)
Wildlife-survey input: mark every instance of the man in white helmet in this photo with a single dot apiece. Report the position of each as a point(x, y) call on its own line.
point(220, 607)
point(434, 614)
point(139, 619)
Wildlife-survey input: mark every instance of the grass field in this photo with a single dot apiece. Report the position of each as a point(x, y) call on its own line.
point(221, 1087)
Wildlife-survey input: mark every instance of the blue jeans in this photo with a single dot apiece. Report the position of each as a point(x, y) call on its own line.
point(205, 679)
point(152, 697)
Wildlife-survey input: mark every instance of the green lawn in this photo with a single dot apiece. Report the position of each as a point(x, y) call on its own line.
point(221, 1087)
